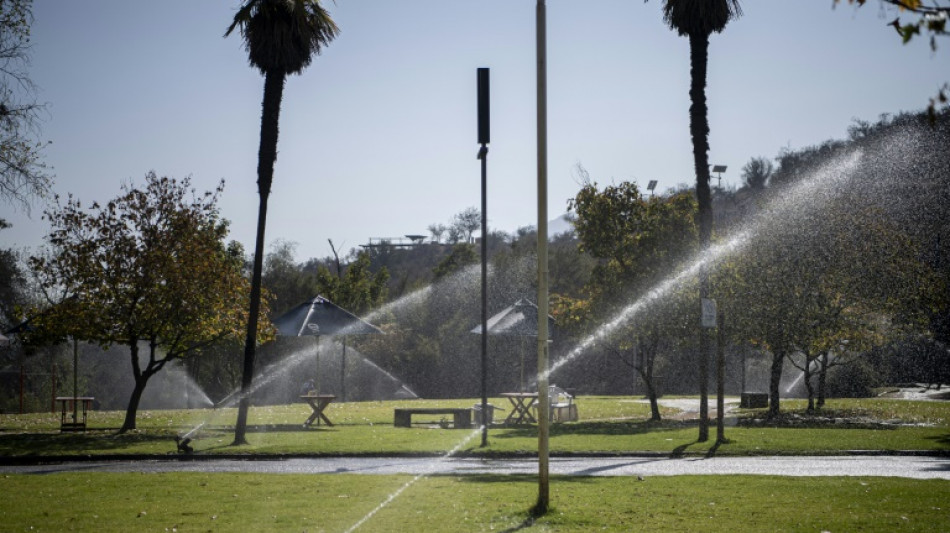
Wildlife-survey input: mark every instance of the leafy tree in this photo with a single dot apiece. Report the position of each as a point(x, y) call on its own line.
point(150, 266)
point(811, 281)
point(697, 20)
point(285, 280)
point(281, 38)
point(356, 288)
point(462, 255)
point(437, 231)
point(466, 223)
point(638, 241)
point(756, 173)
point(12, 284)
point(23, 175)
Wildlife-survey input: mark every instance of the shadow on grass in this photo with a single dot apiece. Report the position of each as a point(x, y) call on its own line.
point(72, 443)
point(104, 440)
point(281, 428)
point(598, 428)
point(941, 439)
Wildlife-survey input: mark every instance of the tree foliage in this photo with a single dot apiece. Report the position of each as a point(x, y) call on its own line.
point(286, 282)
point(841, 260)
point(149, 266)
point(756, 173)
point(12, 286)
point(356, 288)
point(931, 19)
point(638, 242)
point(23, 175)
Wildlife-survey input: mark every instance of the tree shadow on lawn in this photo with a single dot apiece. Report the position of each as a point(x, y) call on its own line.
point(26, 444)
point(283, 428)
point(942, 439)
point(104, 440)
point(598, 428)
point(530, 515)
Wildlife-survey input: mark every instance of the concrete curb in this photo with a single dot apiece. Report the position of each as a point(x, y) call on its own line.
point(59, 459)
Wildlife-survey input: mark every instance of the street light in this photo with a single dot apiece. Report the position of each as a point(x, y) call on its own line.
point(651, 187)
point(484, 137)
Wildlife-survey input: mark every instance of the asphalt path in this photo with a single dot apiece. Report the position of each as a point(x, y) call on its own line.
point(917, 467)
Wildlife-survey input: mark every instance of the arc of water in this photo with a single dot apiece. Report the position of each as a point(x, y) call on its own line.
point(775, 213)
point(389, 499)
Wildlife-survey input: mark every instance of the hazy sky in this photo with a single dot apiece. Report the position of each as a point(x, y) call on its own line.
point(378, 135)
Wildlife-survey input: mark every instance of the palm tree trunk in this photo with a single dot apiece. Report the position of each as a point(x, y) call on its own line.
point(699, 132)
point(267, 155)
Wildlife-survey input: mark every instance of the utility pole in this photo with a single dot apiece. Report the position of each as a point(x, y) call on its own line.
point(543, 404)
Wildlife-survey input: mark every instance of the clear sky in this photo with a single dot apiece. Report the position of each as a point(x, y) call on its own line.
point(378, 135)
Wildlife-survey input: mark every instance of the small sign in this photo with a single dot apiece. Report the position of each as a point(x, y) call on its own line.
point(709, 313)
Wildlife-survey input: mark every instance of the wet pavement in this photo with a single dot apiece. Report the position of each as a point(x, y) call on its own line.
point(918, 467)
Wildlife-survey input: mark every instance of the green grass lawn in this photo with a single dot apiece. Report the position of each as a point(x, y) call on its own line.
point(96, 501)
point(292, 502)
point(606, 425)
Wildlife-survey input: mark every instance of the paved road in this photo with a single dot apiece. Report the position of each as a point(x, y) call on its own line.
point(890, 466)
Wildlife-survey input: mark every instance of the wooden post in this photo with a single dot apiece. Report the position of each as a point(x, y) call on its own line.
point(543, 404)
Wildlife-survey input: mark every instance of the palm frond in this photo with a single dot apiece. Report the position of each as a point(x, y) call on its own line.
point(700, 17)
point(283, 35)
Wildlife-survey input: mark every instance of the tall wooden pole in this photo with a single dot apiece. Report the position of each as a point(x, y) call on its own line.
point(542, 117)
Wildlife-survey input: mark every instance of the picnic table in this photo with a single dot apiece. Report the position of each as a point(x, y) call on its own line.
point(318, 402)
point(70, 409)
point(521, 403)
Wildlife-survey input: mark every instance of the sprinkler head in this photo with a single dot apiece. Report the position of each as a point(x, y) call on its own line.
point(183, 446)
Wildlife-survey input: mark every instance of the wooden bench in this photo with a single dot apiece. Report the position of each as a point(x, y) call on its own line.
point(461, 416)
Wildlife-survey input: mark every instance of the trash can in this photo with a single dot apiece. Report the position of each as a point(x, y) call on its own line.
point(489, 414)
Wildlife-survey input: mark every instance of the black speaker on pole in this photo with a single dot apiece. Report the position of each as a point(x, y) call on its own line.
point(484, 104)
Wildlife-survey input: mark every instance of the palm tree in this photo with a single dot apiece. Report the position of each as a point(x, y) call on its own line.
point(697, 20)
point(281, 38)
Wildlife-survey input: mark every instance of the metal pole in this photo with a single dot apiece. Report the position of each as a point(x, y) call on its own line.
point(21, 384)
point(484, 136)
point(543, 404)
point(742, 386)
point(483, 155)
point(720, 379)
point(343, 372)
point(316, 365)
point(75, 381)
point(52, 407)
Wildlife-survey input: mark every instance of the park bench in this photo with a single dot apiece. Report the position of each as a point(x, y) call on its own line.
point(753, 400)
point(461, 416)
